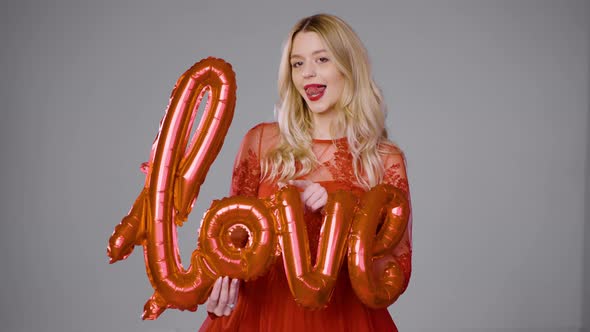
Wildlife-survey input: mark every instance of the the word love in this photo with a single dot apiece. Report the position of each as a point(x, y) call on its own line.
point(177, 167)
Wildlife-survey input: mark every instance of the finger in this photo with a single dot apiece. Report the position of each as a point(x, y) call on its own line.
point(308, 197)
point(320, 203)
point(313, 193)
point(222, 304)
point(316, 189)
point(313, 187)
point(314, 201)
point(233, 292)
point(233, 297)
point(302, 184)
point(214, 296)
point(227, 311)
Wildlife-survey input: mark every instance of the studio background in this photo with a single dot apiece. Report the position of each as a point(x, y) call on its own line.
point(489, 100)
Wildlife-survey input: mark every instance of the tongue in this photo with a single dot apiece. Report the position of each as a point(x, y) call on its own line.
point(314, 90)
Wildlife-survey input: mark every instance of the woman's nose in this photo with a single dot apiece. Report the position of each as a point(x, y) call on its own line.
point(308, 72)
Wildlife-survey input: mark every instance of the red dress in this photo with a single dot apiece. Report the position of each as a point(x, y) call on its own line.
point(266, 304)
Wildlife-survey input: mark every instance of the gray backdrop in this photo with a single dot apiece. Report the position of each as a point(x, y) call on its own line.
point(489, 100)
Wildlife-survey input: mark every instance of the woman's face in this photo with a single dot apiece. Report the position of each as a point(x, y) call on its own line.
point(314, 73)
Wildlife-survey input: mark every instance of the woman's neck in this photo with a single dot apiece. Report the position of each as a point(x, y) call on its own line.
point(321, 126)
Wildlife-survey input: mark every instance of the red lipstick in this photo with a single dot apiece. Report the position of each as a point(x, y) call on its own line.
point(314, 91)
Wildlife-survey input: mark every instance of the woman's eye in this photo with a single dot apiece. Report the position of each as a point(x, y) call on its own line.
point(296, 64)
point(324, 59)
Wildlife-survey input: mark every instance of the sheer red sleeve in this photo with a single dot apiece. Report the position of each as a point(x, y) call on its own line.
point(395, 174)
point(246, 171)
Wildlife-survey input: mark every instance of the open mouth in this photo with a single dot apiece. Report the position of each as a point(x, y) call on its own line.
point(314, 91)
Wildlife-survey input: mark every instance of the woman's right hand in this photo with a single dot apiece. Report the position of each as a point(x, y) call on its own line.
point(224, 296)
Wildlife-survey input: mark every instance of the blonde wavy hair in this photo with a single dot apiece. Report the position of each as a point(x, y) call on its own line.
point(362, 115)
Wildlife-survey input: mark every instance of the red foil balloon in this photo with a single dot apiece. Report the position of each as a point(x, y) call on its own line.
point(238, 235)
point(130, 232)
point(312, 287)
point(375, 275)
point(176, 170)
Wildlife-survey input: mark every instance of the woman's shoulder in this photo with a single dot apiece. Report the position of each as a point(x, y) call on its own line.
point(389, 148)
point(392, 156)
point(265, 129)
point(265, 135)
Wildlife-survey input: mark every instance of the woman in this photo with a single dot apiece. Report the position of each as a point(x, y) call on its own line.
point(330, 135)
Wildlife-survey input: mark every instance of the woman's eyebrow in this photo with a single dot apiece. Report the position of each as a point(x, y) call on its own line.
point(313, 53)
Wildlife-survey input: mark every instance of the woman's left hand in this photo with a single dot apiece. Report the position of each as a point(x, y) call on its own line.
point(314, 196)
point(224, 296)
